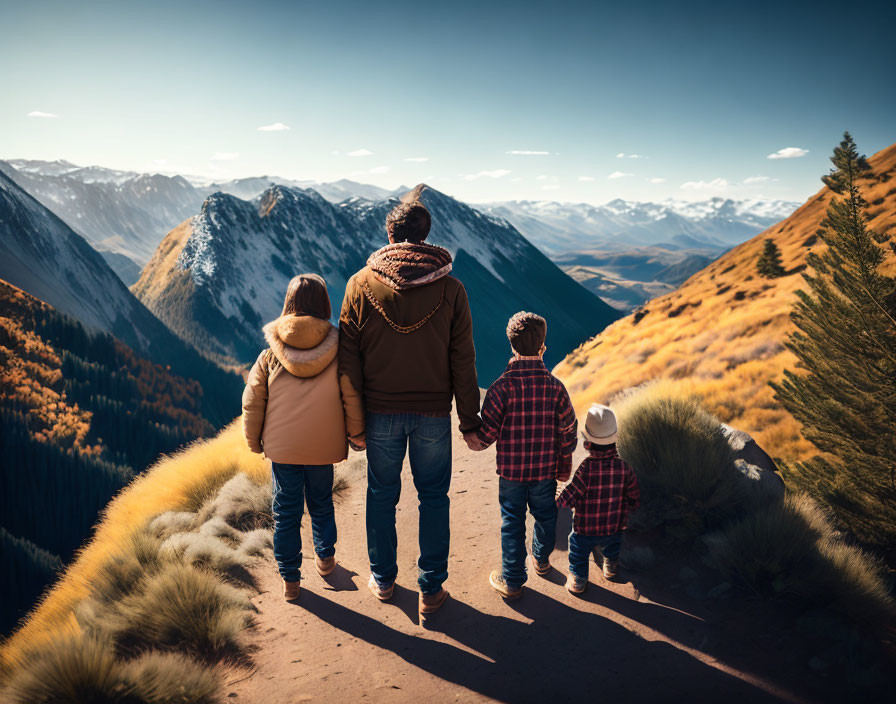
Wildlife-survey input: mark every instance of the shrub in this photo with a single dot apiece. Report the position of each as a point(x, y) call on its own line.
point(240, 502)
point(681, 457)
point(167, 678)
point(791, 549)
point(203, 488)
point(171, 522)
point(202, 549)
point(69, 669)
point(180, 607)
point(85, 670)
point(255, 543)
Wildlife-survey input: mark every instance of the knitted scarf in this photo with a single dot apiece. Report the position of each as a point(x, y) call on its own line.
point(404, 265)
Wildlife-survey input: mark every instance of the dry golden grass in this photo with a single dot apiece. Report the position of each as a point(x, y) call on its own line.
point(720, 336)
point(173, 484)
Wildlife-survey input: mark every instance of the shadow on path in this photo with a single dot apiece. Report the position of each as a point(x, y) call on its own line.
point(563, 650)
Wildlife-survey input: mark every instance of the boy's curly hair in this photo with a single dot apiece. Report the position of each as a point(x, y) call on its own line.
point(526, 332)
point(408, 222)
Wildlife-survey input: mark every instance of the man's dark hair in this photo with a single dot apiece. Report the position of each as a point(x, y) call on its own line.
point(526, 332)
point(408, 222)
point(307, 295)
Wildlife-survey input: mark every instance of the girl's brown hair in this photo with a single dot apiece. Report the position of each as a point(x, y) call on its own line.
point(307, 295)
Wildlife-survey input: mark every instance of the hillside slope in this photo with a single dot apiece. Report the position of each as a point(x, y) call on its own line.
point(721, 334)
point(81, 414)
point(41, 255)
point(220, 275)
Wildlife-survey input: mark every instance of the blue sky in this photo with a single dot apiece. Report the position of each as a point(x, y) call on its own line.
point(455, 93)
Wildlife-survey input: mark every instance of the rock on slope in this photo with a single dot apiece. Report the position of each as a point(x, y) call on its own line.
point(218, 276)
point(722, 333)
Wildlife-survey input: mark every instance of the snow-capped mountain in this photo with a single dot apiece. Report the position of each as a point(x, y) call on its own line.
point(717, 223)
point(221, 274)
point(114, 211)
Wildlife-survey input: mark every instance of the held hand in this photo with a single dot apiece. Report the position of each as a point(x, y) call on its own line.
point(473, 442)
point(358, 444)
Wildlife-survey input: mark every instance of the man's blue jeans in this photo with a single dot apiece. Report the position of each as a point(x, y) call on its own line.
point(514, 497)
point(428, 439)
point(581, 547)
point(294, 484)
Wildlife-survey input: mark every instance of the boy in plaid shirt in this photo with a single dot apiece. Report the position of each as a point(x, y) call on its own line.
point(603, 493)
point(528, 413)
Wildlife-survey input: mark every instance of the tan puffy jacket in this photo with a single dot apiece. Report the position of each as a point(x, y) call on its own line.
point(293, 410)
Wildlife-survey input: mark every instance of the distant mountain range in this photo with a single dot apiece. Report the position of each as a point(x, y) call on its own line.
point(221, 274)
point(128, 213)
point(717, 223)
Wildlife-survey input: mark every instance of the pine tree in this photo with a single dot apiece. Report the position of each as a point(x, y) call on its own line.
point(845, 344)
point(769, 262)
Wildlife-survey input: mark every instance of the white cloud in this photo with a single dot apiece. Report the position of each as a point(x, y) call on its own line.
point(276, 127)
point(495, 173)
point(550, 187)
point(619, 174)
point(788, 153)
point(379, 170)
point(225, 156)
point(417, 159)
point(717, 184)
point(623, 155)
point(542, 177)
point(38, 113)
point(757, 179)
point(516, 179)
point(361, 152)
point(527, 152)
point(586, 178)
point(657, 179)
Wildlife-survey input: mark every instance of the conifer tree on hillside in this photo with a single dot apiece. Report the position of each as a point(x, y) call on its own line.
point(769, 262)
point(845, 393)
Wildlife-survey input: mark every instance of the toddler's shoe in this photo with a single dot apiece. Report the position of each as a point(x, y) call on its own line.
point(430, 603)
point(611, 567)
point(576, 585)
point(324, 565)
point(291, 590)
point(496, 579)
point(541, 568)
point(381, 593)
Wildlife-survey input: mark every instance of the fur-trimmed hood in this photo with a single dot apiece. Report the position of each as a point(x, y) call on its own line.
point(404, 265)
point(303, 344)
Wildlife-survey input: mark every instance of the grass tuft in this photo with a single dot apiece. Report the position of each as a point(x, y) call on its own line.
point(241, 503)
point(682, 460)
point(86, 670)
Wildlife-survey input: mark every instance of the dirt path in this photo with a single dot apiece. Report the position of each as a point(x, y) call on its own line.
point(338, 644)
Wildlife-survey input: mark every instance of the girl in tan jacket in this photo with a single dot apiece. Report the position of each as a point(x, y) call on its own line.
point(294, 413)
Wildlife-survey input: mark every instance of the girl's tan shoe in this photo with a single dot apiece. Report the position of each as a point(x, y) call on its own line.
point(291, 590)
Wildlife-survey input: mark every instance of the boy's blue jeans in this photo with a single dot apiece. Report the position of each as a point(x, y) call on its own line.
point(295, 484)
point(514, 497)
point(581, 547)
point(390, 436)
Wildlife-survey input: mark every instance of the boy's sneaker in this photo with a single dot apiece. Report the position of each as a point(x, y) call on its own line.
point(381, 593)
point(576, 585)
point(611, 567)
point(430, 603)
point(325, 565)
point(496, 579)
point(291, 590)
point(541, 568)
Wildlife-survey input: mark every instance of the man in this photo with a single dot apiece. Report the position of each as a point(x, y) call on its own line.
point(406, 346)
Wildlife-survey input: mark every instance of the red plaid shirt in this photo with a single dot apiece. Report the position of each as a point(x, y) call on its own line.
point(528, 412)
point(603, 492)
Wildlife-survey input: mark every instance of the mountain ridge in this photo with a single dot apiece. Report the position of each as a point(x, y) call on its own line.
point(721, 334)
